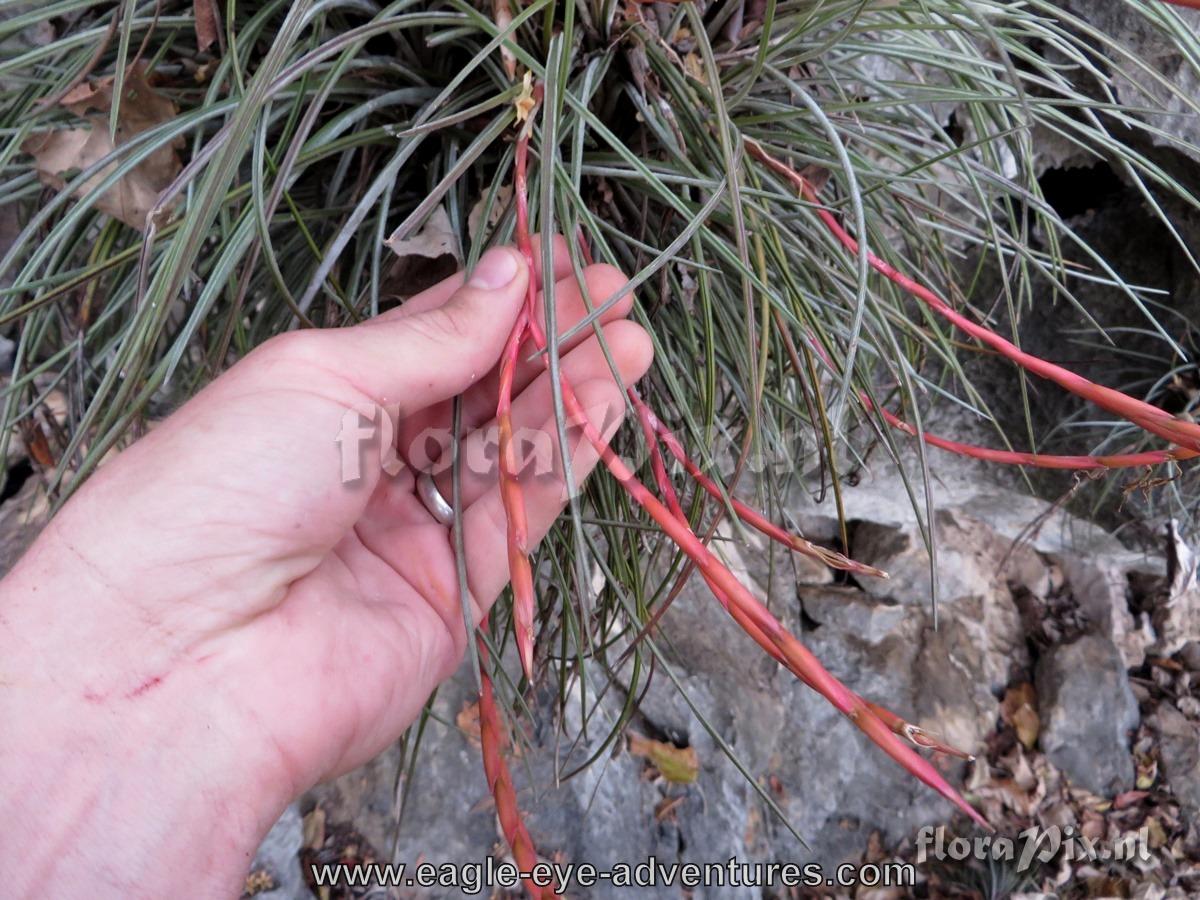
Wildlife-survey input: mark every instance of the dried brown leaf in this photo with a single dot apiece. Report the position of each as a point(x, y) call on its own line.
point(475, 223)
point(467, 721)
point(205, 12)
point(1019, 709)
point(679, 765)
point(435, 239)
point(314, 829)
point(424, 258)
point(61, 153)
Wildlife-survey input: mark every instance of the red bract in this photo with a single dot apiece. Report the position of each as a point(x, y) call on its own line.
point(750, 516)
point(1149, 418)
point(493, 742)
point(652, 433)
point(883, 727)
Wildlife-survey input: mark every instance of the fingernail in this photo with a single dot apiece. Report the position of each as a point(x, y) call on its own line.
point(495, 269)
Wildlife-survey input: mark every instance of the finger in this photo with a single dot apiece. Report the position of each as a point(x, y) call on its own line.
point(479, 403)
point(430, 298)
point(485, 529)
point(436, 296)
point(416, 361)
point(571, 305)
point(631, 351)
point(560, 255)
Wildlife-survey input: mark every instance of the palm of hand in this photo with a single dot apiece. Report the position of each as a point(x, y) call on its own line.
point(321, 614)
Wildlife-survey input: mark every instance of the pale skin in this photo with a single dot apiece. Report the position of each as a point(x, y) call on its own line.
point(216, 622)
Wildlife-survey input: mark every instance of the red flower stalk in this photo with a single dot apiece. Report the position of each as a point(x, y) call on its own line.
point(906, 730)
point(747, 514)
point(1038, 460)
point(1018, 457)
point(524, 601)
point(1149, 418)
point(493, 744)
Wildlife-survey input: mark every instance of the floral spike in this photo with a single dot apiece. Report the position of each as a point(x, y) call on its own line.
point(524, 600)
point(493, 743)
point(798, 657)
point(746, 513)
point(1149, 418)
point(912, 733)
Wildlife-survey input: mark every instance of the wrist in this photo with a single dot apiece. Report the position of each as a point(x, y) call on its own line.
point(123, 785)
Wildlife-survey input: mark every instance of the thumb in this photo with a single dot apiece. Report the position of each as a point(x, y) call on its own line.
point(425, 358)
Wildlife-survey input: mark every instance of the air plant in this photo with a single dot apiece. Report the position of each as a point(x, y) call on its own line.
point(766, 187)
point(879, 724)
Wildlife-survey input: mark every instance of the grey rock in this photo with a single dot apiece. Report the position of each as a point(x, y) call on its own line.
point(1189, 655)
point(830, 783)
point(279, 856)
point(448, 816)
point(1176, 619)
point(1087, 710)
point(1179, 750)
point(1176, 124)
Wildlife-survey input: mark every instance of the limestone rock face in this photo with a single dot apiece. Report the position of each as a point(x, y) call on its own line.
point(1180, 751)
point(1014, 599)
point(1087, 710)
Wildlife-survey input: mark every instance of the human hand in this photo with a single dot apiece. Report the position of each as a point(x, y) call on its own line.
point(216, 621)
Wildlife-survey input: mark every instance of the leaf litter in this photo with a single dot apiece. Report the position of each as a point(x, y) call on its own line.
point(60, 154)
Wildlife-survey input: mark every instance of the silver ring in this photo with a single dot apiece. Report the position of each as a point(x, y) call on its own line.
point(427, 490)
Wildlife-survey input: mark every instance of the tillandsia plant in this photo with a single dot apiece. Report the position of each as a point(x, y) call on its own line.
point(827, 207)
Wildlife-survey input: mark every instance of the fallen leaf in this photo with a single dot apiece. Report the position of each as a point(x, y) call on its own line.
point(38, 444)
point(475, 221)
point(468, 721)
point(1129, 798)
point(59, 154)
point(689, 287)
point(1019, 709)
point(1147, 774)
point(693, 67)
point(205, 12)
point(435, 239)
point(1156, 834)
point(679, 765)
point(314, 829)
point(665, 809)
point(424, 258)
point(258, 882)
